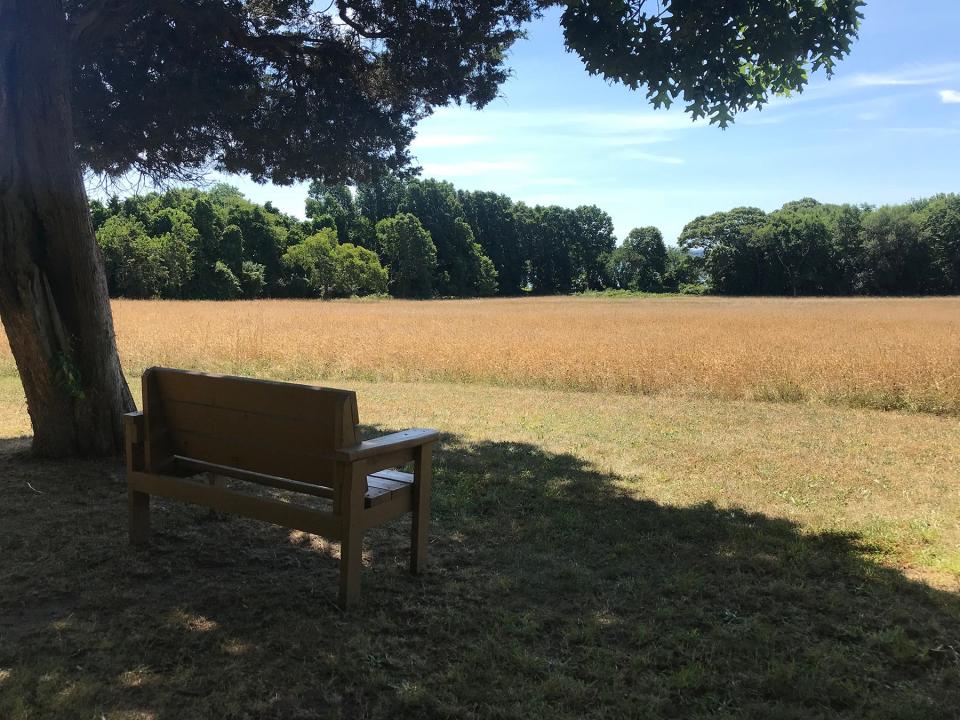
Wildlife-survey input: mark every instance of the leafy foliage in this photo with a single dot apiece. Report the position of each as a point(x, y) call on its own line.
point(717, 57)
point(410, 254)
point(809, 248)
point(186, 243)
point(641, 262)
point(310, 265)
point(279, 90)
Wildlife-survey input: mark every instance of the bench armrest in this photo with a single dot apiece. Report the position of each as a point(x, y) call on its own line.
point(133, 426)
point(387, 444)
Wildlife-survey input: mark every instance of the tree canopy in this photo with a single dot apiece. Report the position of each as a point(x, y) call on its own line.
point(286, 91)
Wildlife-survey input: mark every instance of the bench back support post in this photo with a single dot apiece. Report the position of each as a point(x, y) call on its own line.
point(422, 477)
point(138, 503)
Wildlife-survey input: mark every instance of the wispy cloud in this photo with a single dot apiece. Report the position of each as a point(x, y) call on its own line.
point(571, 127)
point(910, 75)
point(930, 131)
point(632, 140)
point(654, 158)
point(950, 97)
point(843, 88)
point(470, 168)
point(761, 118)
point(553, 181)
point(613, 122)
point(439, 140)
point(574, 119)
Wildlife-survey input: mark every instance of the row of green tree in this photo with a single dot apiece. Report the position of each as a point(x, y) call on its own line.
point(188, 243)
point(424, 238)
point(408, 237)
point(812, 248)
point(484, 243)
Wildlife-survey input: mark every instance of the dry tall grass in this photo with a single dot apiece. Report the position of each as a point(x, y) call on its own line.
point(888, 353)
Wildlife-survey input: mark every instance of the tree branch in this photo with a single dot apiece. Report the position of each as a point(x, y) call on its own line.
point(106, 18)
point(357, 27)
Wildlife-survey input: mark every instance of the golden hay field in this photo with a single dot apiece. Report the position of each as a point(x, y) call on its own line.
point(881, 353)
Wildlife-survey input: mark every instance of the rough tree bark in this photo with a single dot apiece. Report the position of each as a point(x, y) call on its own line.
point(53, 291)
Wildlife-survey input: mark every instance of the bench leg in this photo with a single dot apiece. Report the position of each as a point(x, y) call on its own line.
point(418, 541)
point(421, 510)
point(139, 504)
point(217, 481)
point(351, 562)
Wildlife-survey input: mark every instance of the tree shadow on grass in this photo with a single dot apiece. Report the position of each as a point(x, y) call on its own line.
point(551, 593)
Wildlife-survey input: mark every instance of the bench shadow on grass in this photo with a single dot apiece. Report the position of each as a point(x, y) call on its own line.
point(551, 593)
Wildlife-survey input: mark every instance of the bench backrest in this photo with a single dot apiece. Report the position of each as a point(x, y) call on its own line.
point(273, 428)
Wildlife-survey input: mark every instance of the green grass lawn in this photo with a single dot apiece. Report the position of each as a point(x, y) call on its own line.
point(592, 555)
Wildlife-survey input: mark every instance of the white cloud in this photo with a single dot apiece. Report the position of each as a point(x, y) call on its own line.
point(553, 181)
point(567, 120)
point(887, 80)
point(630, 140)
point(439, 140)
point(950, 97)
point(759, 118)
point(654, 158)
point(469, 168)
point(911, 75)
point(931, 131)
point(613, 122)
point(844, 87)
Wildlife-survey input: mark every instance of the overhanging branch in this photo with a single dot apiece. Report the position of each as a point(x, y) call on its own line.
point(103, 19)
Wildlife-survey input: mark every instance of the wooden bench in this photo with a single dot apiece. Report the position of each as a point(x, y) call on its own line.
point(292, 437)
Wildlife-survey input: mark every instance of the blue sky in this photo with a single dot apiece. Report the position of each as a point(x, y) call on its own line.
point(885, 129)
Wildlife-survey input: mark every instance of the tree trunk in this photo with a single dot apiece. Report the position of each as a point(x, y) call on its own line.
point(53, 291)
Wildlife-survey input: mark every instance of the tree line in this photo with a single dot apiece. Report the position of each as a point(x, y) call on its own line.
point(416, 238)
point(410, 238)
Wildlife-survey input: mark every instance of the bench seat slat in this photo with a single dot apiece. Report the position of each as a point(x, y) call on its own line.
point(188, 466)
point(387, 485)
point(381, 486)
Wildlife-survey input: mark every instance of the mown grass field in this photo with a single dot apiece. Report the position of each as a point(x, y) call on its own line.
point(599, 549)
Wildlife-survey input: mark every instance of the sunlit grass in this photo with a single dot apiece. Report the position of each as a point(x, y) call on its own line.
point(878, 353)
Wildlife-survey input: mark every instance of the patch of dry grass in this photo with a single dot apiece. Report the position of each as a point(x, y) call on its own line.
point(880, 353)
